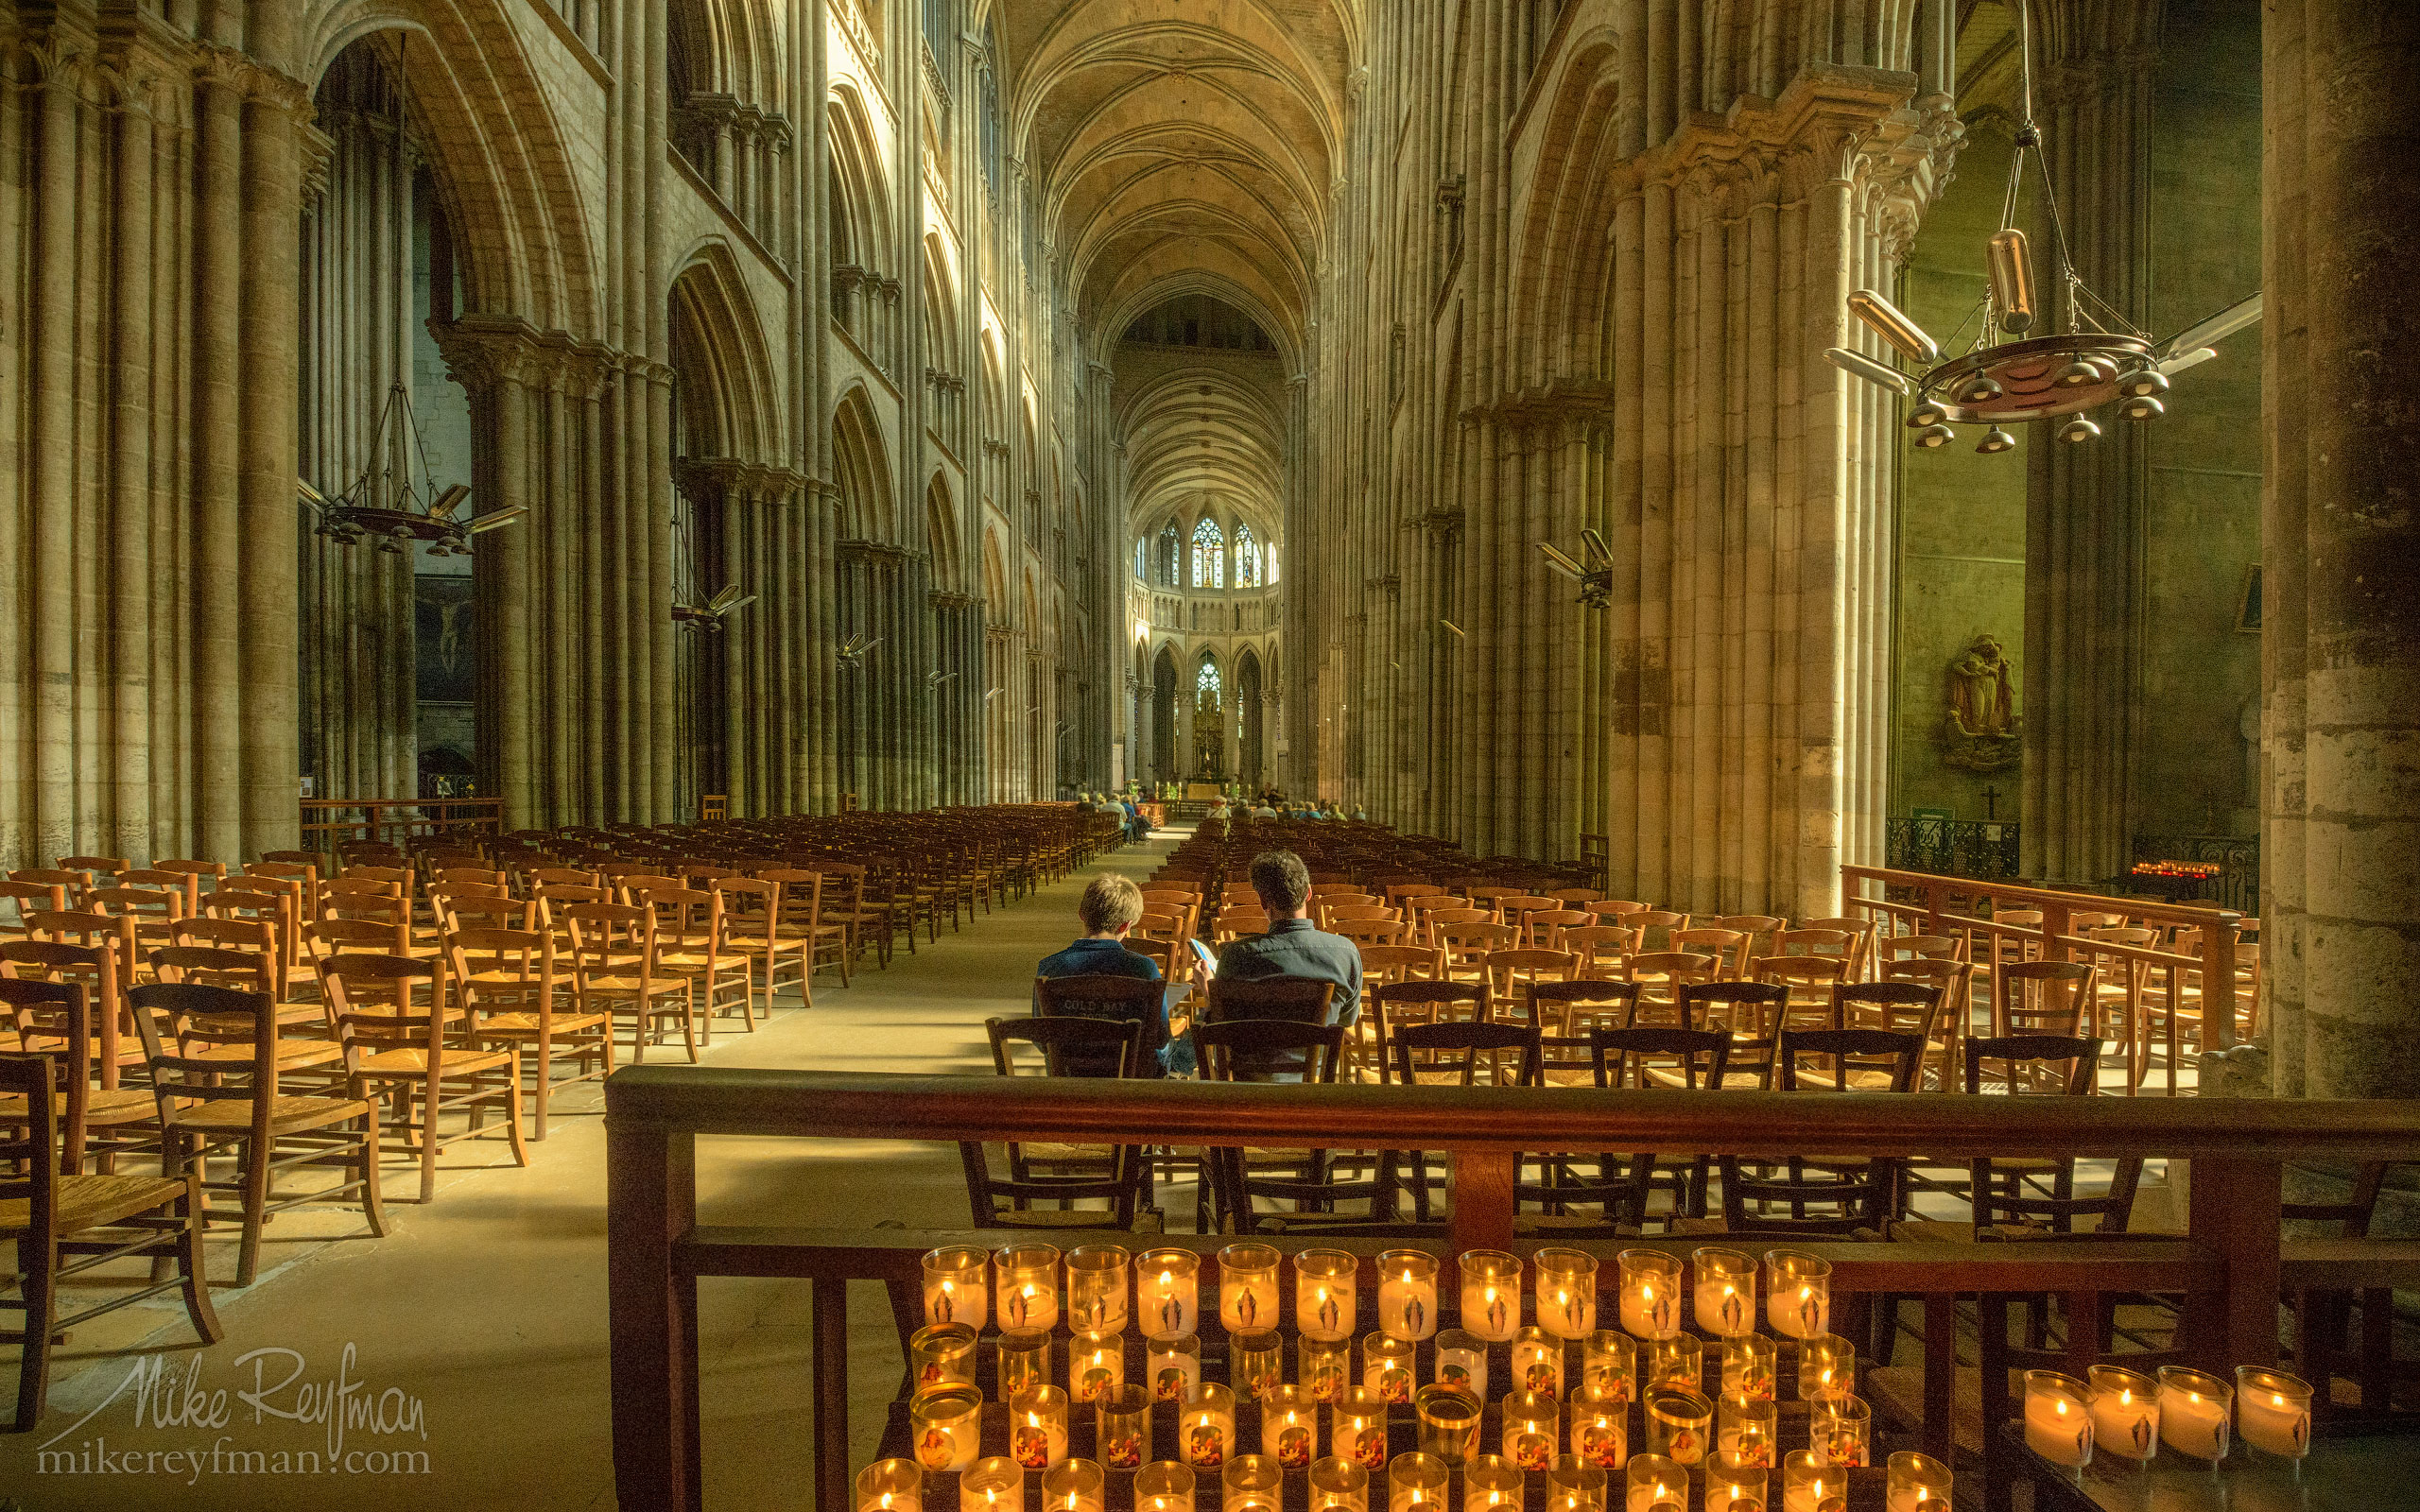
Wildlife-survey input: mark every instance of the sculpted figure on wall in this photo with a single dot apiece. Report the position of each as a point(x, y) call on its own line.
point(1979, 730)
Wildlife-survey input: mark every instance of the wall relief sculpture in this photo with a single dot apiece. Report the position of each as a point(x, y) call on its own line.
point(1979, 730)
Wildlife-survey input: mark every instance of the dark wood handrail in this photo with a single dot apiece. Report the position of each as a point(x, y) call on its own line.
point(805, 1104)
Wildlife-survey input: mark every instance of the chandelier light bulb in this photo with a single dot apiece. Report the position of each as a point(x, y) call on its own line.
point(1926, 414)
point(2145, 407)
point(1981, 391)
point(2145, 384)
point(2079, 429)
point(1933, 437)
point(1995, 440)
point(2076, 374)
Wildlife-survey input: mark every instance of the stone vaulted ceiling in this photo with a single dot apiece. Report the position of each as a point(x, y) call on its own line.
point(1184, 144)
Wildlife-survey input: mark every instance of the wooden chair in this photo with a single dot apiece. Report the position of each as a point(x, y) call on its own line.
point(1809, 979)
point(398, 1047)
point(66, 1224)
point(1904, 1007)
point(1749, 1015)
point(1604, 950)
point(1759, 928)
point(1234, 923)
point(512, 996)
point(1467, 947)
point(1673, 1060)
point(1659, 975)
point(1860, 942)
point(1509, 972)
point(207, 1106)
point(98, 969)
point(251, 973)
point(1403, 1004)
point(1126, 999)
point(1801, 1195)
point(1308, 1187)
point(1727, 946)
point(614, 971)
point(1572, 1008)
point(749, 914)
point(1464, 1055)
point(1058, 1174)
point(2042, 997)
point(799, 930)
point(689, 943)
point(91, 869)
point(859, 918)
point(1952, 1026)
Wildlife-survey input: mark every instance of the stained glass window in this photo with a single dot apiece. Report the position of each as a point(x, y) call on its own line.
point(1247, 558)
point(1171, 559)
point(1209, 555)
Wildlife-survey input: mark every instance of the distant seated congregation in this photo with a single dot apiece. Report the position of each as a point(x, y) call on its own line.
point(1209, 755)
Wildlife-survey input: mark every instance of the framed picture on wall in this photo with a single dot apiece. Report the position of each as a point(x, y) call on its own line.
point(2247, 609)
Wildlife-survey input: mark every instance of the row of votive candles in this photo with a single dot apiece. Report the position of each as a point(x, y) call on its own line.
point(2131, 1414)
point(1414, 1483)
point(1610, 1364)
point(1159, 1291)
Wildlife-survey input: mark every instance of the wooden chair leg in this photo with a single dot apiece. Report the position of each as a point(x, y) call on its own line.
point(512, 1109)
point(252, 1169)
point(428, 1140)
point(39, 1259)
point(372, 1206)
point(189, 1265)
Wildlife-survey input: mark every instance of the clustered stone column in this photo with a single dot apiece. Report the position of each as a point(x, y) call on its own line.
point(2341, 641)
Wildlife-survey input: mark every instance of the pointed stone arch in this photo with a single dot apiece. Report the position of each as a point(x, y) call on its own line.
point(730, 401)
point(861, 465)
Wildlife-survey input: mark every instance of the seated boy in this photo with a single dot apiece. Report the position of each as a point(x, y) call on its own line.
point(1110, 907)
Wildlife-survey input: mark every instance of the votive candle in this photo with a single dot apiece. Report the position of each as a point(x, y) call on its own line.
point(1679, 1361)
point(1251, 1483)
point(941, 1354)
point(1097, 1289)
point(1461, 1362)
point(1491, 1293)
point(1605, 1366)
point(1656, 1485)
point(1492, 1480)
point(995, 1484)
point(1679, 1423)
point(1599, 1428)
point(1027, 1283)
point(1023, 1360)
point(1074, 1485)
point(955, 1289)
point(1387, 1366)
point(1449, 1419)
point(1096, 1363)
point(1174, 1365)
point(1747, 1429)
point(1256, 1362)
point(1288, 1427)
point(945, 1424)
point(1537, 1363)
point(1162, 1486)
point(1566, 1288)
point(1247, 1288)
point(891, 1486)
point(1797, 1293)
point(2058, 1418)
point(1324, 1366)
point(1917, 1482)
point(1406, 1294)
point(1206, 1426)
point(1325, 1293)
point(1357, 1428)
point(2125, 1411)
point(1827, 1367)
point(1416, 1483)
point(1748, 1366)
point(1651, 1293)
point(1167, 1292)
point(2273, 1411)
point(1574, 1486)
point(1339, 1485)
point(2194, 1409)
point(1122, 1437)
point(1735, 1485)
point(1809, 1484)
point(1532, 1424)
point(1038, 1427)
point(1842, 1430)
point(1725, 1294)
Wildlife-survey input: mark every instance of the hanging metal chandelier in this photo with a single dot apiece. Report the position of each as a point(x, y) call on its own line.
point(2010, 374)
point(394, 503)
point(688, 611)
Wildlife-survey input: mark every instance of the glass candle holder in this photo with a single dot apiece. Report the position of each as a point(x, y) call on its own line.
point(2125, 1411)
point(1567, 1287)
point(1733, 1486)
point(1289, 1427)
point(1532, 1429)
point(1387, 1367)
point(1461, 1361)
point(1655, 1483)
point(891, 1486)
point(1650, 1294)
point(1725, 1298)
point(1256, 1362)
point(1416, 1483)
point(1174, 1365)
point(1917, 1482)
point(1842, 1430)
point(1205, 1426)
point(2273, 1411)
point(1449, 1422)
point(1827, 1367)
point(957, 1287)
point(1123, 1419)
point(1074, 1485)
point(1406, 1294)
point(1024, 1359)
point(941, 1354)
point(1357, 1428)
point(1605, 1366)
point(1599, 1428)
point(1679, 1423)
point(945, 1426)
point(1097, 1289)
point(2194, 1412)
point(1679, 1361)
point(1162, 1486)
point(1247, 1288)
point(1798, 1294)
point(1325, 1293)
point(995, 1484)
point(1491, 1293)
point(1324, 1368)
point(1574, 1487)
point(1492, 1483)
point(1338, 1485)
point(1167, 1292)
point(1251, 1483)
point(1026, 1281)
point(1809, 1484)
point(1096, 1364)
point(1038, 1427)
point(1748, 1366)
point(1748, 1430)
point(2058, 1419)
point(1537, 1363)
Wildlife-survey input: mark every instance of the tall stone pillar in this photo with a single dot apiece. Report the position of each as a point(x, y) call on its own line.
point(2341, 544)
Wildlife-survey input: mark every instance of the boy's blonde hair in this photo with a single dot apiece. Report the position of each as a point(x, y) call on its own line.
point(1108, 903)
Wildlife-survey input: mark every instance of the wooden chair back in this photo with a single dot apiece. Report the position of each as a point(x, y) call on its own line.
point(2042, 997)
point(1465, 1055)
point(1577, 1006)
point(1702, 1056)
point(52, 1023)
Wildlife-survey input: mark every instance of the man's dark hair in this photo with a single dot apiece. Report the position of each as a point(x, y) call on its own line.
point(1282, 881)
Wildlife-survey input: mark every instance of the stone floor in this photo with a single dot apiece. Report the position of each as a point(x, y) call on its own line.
point(482, 1315)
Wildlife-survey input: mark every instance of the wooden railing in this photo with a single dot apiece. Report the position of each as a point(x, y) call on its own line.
point(329, 821)
point(2228, 1264)
point(1939, 905)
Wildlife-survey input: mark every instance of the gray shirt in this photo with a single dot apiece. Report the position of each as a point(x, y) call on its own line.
point(1296, 947)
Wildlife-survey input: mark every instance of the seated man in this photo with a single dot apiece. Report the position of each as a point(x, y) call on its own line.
point(1294, 947)
point(1110, 907)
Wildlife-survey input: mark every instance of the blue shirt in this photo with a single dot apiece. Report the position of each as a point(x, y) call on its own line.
point(1110, 958)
